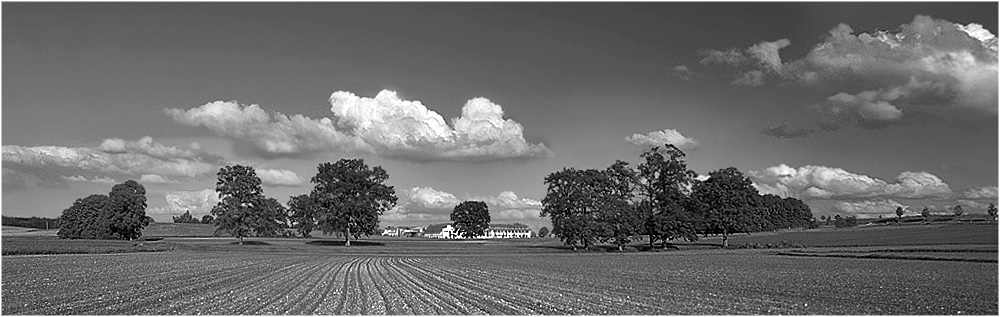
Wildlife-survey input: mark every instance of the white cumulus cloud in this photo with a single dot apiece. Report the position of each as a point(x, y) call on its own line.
point(820, 182)
point(985, 192)
point(659, 138)
point(927, 68)
point(384, 125)
point(430, 198)
point(278, 177)
point(199, 201)
point(870, 208)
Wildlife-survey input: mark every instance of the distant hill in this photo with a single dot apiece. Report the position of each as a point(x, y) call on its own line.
point(33, 222)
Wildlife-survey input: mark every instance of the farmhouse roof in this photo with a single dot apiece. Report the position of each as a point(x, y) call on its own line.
point(507, 226)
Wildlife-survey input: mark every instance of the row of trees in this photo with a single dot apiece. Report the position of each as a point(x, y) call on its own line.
point(662, 199)
point(187, 218)
point(119, 215)
point(347, 199)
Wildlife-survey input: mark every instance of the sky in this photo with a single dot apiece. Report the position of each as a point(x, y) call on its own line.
point(855, 108)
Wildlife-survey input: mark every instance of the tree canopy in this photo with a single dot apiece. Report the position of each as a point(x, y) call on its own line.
point(119, 215)
point(665, 183)
point(349, 197)
point(471, 218)
point(726, 198)
point(242, 209)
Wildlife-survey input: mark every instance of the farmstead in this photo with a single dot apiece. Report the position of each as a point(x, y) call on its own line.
point(495, 231)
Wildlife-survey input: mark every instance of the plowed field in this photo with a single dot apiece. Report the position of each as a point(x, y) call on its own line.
point(694, 282)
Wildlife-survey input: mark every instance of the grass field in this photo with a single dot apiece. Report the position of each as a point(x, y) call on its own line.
point(515, 277)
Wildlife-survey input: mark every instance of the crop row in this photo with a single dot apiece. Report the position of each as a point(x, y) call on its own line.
point(236, 283)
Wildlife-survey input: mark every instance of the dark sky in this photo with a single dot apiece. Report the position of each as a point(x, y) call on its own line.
point(578, 78)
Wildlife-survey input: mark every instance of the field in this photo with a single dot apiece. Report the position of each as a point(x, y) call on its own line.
point(517, 277)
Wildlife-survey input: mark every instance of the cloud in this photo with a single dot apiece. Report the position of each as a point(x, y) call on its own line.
point(145, 145)
point(132, 161)
point(430, 198)
point(426, 203)
point(155, 179)
point(659, 138)
point(820, 182)
point(973, 207)
point(276, 177)
point(870, 208)
point(95, 179)
point(928, 68)
point(269, 134)
point(785, 130)
point(985, 192)
point(384, 125)
point(682, 72)
point(761, 59)
point(198, 202)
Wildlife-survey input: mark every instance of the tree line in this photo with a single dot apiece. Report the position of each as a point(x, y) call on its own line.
point(119, 215)
point(662, 199)
point(347, 199)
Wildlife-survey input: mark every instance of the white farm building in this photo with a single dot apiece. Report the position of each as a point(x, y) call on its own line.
point(495, 231)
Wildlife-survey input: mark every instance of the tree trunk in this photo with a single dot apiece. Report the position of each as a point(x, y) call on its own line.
point(347, 236)
point(620, 248)
point(725, 237)
point(651, 242)
point(241, 240)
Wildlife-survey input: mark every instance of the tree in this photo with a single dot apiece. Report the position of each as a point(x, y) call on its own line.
point(303, 210)
point(543, 232)
point(207, 219)
point(725, 199)
point(958, 210)
point(992, 210)
point(350, 196)
point(242, 208)
point(185, 218)
point(926, 213)
point(665, 182)
point(572, 203)
point(899, 213)
point(617, 211)
point(80, 221)
point(471, 219)
point(127, 210)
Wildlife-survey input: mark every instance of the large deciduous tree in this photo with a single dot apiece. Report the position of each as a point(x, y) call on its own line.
point(471, 218)
point(665, 183)
point(958, 210)
point(573, 203)
point(350, 196)
point(617, 209)
point(243, 210)
point(84, 220)
point(127, 207)
point(725, 199)
point(992, 210)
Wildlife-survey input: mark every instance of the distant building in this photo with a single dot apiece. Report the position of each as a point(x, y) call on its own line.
point(495, 231)
point(402, 231)
point(441, 231)
point(507, 231)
